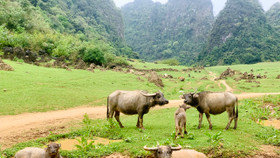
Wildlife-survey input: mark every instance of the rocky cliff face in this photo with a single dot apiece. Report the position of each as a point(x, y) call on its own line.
point(241, 34)
point(93, 18)
point(273, 16)
point(177, 29)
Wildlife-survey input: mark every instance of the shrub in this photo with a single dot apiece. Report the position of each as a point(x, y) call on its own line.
point(94, 55)
point(111, 59)
point(171, 62)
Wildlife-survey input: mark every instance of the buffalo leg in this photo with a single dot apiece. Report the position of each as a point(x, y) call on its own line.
point(117, 116)
point(185, 129)
point(230, 117)
point(235, 122)
point(209, 120)
point(200, 120)
point(141, 121)
point(111, 113)
point(176, 128)
point(137, 125)
point(181, 131)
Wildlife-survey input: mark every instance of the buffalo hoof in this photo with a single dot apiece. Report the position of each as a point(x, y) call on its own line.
point(186, 132)
point(182, 136)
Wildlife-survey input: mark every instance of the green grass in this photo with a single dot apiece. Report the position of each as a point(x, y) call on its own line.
point(148, 65)
point(37, 89)
point(32, 89)
point(159, 129)
point(270, 69)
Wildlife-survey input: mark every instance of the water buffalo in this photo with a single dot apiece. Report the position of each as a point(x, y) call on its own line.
point(133, 102)
point(180, 120)
point(163, 151)
point(213, 103)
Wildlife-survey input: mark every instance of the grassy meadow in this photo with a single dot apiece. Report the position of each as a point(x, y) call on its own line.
point(160, 129)
point(37, 89)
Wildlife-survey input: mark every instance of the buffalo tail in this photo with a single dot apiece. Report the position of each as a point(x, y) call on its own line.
point(236, 115)
point(107, 107)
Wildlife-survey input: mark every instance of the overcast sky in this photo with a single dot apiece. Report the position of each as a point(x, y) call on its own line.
point(218, 4)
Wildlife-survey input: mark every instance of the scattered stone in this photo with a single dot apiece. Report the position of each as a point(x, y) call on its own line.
point(5, 67)
point(167, 76)
point(182, 79)
point(154, 78)
point(81, 65)
point(278, 77)
point(204, 78)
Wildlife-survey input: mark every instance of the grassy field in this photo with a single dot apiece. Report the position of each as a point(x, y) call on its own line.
point(271, 70)
point(37, 89)
point(160, 127)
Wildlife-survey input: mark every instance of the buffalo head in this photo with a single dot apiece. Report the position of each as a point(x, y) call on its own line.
point(158, 98)
point(190, 98)
point(163, 151)
point(53, 148)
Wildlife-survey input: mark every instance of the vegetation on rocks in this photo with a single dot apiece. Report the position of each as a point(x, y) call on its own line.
point(273, 16)
point(177, 29)
point(69, 29)
point(241, 34)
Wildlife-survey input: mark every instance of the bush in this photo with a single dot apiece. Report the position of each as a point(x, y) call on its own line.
point(112, 60)
point(94, 55)
point(171, 62)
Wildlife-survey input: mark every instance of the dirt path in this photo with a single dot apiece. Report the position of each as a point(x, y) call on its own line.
point(19, 128)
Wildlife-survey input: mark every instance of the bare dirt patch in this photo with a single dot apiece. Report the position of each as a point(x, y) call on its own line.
point(272, 122)
point(116, 155)
point(268, 151)
point(69, 144)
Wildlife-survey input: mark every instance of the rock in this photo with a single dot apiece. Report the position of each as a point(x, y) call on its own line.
point(154, 78)
point(81, 65)
point(182, 79)
point(5, 67)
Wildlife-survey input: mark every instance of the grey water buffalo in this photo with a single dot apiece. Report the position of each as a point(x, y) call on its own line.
point(213, 103)
point(52, 151)
point(133, 102)
point(162, 151)
point(180, 120)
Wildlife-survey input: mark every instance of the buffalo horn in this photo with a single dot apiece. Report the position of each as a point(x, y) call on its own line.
point(195, 91)
point(176, 148)
point(149, 95)
point(150, 149)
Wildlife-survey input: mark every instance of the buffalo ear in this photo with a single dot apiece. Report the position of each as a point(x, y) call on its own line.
point(181, 97)
point(195, 95)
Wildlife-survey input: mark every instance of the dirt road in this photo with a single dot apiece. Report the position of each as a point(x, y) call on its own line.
point(19, 128)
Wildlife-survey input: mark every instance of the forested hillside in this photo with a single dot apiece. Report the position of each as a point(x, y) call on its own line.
point(84, 29)
point(241, 34)
point(273, 16)
point(177, 29)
